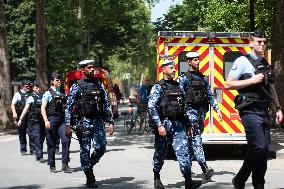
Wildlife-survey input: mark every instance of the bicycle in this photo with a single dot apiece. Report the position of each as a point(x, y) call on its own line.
point(135, 120)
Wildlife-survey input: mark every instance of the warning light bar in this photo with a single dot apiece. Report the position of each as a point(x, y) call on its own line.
point(194, 34)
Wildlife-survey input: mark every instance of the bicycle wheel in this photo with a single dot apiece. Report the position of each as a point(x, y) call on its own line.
point(128, 123)
point(141, 123)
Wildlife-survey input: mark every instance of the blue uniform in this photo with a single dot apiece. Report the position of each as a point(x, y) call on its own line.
point(257, 125)
point(57, 130)
point(36, 123)
point(93, 128)
point(176, 135)
point(196, 116)
point(19, 101)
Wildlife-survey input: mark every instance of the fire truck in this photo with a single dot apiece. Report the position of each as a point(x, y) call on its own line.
point(217, 50)
point(103, 75)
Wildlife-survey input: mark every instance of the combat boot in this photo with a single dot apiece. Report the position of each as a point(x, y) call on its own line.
point(53, 169)
point(66, 168)
point(91, 180)
point(157, 182)
point(191, 184)
point(237, 185)
point(207, 171)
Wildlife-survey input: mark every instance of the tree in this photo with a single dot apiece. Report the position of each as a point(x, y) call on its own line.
point(278, 48)
point(5, 83)
point(41, 69)
point(20, 25)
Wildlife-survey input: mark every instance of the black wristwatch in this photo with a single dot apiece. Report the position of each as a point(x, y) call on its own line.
point(278, 109)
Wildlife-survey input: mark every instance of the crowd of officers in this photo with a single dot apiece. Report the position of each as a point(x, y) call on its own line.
point(177, 110)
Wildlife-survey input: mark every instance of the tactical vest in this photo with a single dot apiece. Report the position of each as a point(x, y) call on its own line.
point(21, 104)
point(35, 109)
point(57, 104)
point(196, 93)
point(171, 104)
point(260, 91)
point(91, 103)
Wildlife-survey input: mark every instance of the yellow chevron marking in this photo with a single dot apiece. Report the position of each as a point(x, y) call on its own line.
point(197, 40)
point(218, 61)
point(234, 48)
point(173, 50)
point(161, 47)
point(239, 40)
point(203, 62)
point(188, 48)
point(183, 40)
point(219, 77)
point(160, 76)
point(224, 40)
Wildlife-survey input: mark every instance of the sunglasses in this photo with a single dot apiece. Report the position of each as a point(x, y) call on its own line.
point(57, 79)
point(260, 42)
point(89, 67)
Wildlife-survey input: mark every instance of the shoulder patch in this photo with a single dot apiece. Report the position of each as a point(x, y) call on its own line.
point(234, 67)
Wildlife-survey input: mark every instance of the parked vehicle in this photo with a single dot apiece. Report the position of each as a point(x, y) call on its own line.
point(103, 75)
point(217, 50)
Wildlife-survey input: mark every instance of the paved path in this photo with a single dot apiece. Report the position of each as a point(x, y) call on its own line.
point(126, 165)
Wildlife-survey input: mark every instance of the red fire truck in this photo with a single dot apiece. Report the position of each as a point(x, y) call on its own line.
point(73, 76)
point(217, 50)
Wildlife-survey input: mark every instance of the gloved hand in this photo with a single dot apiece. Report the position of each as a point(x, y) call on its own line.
point(68, 131)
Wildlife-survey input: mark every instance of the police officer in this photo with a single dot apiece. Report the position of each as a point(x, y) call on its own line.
point(17, 106)
point(36, 124)
point(252, 77)
point(166, 108)
point(52, 110)
point(198, 96)
point(89, 97)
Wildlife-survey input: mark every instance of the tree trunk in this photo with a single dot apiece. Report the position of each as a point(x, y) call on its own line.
point(41, 68)
point(5, 80)
point(278, 49)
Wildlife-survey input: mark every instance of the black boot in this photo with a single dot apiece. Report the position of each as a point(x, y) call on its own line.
point(91, 180)
point(157, 182)
point(236, 184)
point(207, 171)
point(191, 184)
point(66, 168)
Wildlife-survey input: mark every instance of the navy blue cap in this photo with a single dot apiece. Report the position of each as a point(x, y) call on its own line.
point(56, 75)
point(26, 82)
point(36, 83)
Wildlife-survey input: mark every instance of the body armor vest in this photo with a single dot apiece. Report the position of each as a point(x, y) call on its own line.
point(171, 104)
point(260, 91)
point(90, 104)
point(35, 109)
point(57, 104)
point(21, 104)
point(196, 93)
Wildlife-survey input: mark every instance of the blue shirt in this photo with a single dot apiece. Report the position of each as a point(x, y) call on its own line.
point(142, 90)
point(242, 66)
point(47, 97)
point(31, 100)
point(17, 97)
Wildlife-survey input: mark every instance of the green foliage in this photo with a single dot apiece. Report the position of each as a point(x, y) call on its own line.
point(116, 33)
point(20, 24)
point(218, 15)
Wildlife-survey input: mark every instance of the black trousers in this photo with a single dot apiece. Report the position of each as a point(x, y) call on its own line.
point(257, 128)
point(57, 130)
point(22, 131)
